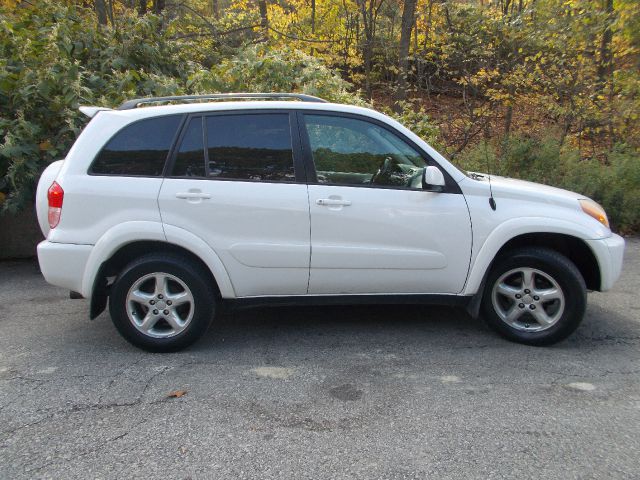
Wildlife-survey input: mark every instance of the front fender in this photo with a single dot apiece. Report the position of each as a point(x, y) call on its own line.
point(510, 229)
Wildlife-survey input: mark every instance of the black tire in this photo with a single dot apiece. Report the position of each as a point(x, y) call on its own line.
point(191, 274)
point(562, 271)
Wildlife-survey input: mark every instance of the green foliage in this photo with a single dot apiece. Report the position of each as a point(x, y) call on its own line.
point(259, 69)
point(52, 62)
point(416, 119)
point(615, 183)
point(529, 75)
point(53, 58)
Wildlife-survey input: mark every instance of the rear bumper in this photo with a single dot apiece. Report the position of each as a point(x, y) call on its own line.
point(63, 264)
point(609, 252)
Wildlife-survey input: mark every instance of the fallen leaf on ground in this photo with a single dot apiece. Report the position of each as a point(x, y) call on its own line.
point(177, 394)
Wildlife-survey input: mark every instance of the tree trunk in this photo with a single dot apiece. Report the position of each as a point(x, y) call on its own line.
point(369, 11)
point(101, 10)
point(313, 24)
point(158, 6)
point(368, 54)
point(605, 65)
point(408, 20)
point(142, 7)
point(110, 13)
point(215, 9)
point(264, 19)
point(427, 29)
point(507, 120)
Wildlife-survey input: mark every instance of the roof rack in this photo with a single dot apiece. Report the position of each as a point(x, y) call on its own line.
point(130, 104)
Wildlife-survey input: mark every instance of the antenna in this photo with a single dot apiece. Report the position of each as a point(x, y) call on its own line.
point(492, 201)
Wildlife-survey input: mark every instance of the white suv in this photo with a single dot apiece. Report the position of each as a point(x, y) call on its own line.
point(170, 212)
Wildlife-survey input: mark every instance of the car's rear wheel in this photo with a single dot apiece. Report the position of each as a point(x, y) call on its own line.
point(534, 296)
point(162, 302)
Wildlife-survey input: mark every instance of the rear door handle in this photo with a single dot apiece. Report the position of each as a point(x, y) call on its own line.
point(193, 195)
point(333, 202)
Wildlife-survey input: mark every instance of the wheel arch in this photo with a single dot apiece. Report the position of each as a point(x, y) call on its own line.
point(574, 248)
point(564, 239)
point(116, 249)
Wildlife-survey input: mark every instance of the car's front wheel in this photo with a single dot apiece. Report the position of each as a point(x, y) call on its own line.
point(534, 296)
point(162, 302)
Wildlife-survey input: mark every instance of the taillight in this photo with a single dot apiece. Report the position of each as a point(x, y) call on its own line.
point(55, 195)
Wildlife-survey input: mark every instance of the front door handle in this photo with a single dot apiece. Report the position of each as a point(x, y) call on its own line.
point(333, 202)
point(193, 196)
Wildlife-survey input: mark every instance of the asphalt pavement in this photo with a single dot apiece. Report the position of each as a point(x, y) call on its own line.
point(319, 393)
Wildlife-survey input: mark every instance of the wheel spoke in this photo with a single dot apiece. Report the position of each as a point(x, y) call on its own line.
point(149, 321)
point(542, 317)
point(548, 294)
point(161, 284)
point(513, 314)
point(180, 298)
point(527, 278)
point(507, 290)
point(174, 320)
point(140, 297)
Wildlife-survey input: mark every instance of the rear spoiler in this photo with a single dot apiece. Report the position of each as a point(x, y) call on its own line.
point(92, 111)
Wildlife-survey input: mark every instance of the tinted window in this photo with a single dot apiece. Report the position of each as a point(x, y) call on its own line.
point(250, 147)
point(348, 151)
point(190, 156)
point(139, 149)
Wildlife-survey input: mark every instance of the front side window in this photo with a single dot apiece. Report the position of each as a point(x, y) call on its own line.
point(250, 147)
point(349, 151)
point(139, 149)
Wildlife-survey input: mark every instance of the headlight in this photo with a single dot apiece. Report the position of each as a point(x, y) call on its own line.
point(594, 210)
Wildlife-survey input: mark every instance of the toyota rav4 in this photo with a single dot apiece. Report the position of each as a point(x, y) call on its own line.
point(169, 209)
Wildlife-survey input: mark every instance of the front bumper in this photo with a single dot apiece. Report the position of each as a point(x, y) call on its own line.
point(63, 264)
point(609, 252)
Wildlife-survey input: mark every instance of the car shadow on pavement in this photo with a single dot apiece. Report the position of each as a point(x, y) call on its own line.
point(424, 326)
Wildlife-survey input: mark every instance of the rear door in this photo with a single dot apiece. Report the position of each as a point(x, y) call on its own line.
point(236, 180)
point(374, 229)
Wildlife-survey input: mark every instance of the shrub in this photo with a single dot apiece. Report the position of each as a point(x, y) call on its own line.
point(259, 69)
point(615, 182)
point(53, 58)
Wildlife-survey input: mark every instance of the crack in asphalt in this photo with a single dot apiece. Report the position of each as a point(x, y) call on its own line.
point(86, 452)
point(98, 405)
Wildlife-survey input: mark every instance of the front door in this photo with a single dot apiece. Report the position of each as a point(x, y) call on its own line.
point(374, 229)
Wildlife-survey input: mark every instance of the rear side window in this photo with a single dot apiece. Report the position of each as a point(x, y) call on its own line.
point(250, 147)
point(138, 149)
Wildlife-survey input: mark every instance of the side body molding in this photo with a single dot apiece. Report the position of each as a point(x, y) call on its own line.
point(129, 232)
point(509, 229)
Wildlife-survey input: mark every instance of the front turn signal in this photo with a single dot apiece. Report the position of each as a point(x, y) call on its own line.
point(593, 209)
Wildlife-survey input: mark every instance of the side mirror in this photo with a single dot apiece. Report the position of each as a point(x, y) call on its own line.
point(432, 179)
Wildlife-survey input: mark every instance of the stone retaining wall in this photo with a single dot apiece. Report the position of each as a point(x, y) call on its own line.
point(19, 234)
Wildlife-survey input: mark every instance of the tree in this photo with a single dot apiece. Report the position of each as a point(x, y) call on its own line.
point(408, 21)
point(101, 11)
point(369, 12)
point(264, 19)
point(158, 6)
point(605, 64)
